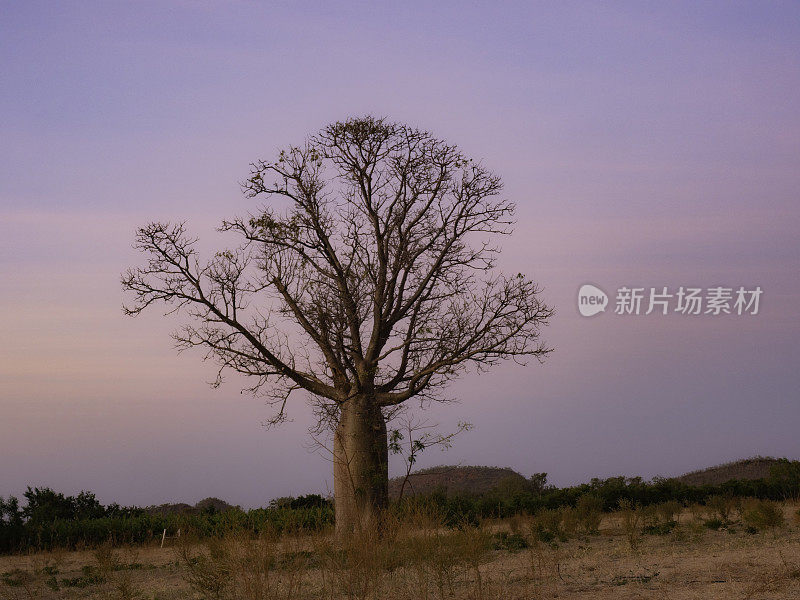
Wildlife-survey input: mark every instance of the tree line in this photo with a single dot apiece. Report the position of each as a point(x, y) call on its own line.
point(50, 519)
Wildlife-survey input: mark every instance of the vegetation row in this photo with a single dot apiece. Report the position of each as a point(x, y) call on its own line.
point(48, 519)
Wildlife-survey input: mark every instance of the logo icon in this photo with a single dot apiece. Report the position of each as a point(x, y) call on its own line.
point(591, 300)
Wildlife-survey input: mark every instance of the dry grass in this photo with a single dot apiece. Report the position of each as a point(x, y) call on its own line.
point(419, 559)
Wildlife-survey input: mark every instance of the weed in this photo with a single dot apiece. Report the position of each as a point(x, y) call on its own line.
point(88, 577)
point(17, 578)
point(660, 528)
point(546, 526)
point(207, 572)
point(589, 511)
point(721, 507)
point(513, 542)
point(631, 519)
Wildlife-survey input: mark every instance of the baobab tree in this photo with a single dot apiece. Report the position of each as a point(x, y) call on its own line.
point(366, 278)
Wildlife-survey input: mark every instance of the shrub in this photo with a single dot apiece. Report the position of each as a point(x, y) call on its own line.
point(660, 528)
point(659, 518)
point(569, 521)
point(631, 518)
point(668, 510)
point(721, 507)
point(546, 526)
point(513, 542)
point(763, 514)
point(17, 578)
point(589, 510)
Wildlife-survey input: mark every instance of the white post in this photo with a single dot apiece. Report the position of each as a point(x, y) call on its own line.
point(163, 537)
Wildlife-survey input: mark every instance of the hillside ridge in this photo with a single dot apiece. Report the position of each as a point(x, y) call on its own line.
point(477, 480)
point(456, 479)
point(754, 467)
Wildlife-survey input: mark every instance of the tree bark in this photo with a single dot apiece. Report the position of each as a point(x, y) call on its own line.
point(360, 466)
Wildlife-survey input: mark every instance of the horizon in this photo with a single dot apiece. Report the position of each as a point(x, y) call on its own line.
point(433, 469)
point(644, 145)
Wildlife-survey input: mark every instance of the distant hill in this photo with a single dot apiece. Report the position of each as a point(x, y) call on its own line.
point(473, 480)
point(206, 505)
point(458, 480)
point(756, 467)
point(478, 480)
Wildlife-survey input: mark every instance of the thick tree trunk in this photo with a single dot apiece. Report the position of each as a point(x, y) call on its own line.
point(360, 466)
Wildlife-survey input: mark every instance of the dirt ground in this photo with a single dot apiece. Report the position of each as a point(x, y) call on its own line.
point(690, 562)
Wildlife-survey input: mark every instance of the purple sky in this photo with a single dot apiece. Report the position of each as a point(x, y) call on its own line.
point(646, 144)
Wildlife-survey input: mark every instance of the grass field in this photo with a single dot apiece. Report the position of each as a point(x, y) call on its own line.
point(696, 555)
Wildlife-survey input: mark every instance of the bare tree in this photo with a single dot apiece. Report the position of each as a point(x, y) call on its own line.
point(366, 279)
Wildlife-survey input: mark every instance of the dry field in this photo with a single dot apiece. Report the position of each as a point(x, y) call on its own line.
point(419, 560)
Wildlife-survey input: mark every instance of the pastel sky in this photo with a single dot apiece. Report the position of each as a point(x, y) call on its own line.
point(646, 144)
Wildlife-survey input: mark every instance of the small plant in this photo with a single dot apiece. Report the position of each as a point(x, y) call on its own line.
point(513, 542)
point(569, 521)
point(762, 514)
point(692, 530)
point(477, 543)
point(721, 507)
point(669, 510)
point(631, 519)
point(124, 587)
point(107, 559)
point(208, 572)
point(650, 515)
point(413, 437)
point(88, 577)
point(52, 583)
point(546, 526)
point(698, 512)
point(545, 568)
point(659, 518)
point(589, 511)
point(517, 522)
point(353, 569)
point(30, 584)
point(662, 528)
point(17, 578)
